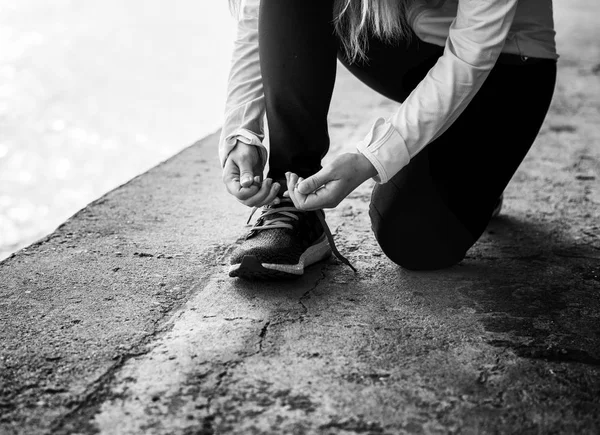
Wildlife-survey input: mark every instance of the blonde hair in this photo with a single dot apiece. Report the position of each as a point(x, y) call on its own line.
point(356, 20)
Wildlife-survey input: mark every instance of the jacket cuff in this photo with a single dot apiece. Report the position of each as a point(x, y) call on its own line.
point(245, 136)
point(385, 149)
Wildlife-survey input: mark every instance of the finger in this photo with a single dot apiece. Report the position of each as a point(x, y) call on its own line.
point(272, 196)
point(230, 172)
point(286, 193)
point(300, 198)
point(318, 199)
point(257, 182)
point(269, 195)
point(232, 182)
point(296, 197)
point(244, 193)
point(292, 181)
point(315, 181)
point(257, 199)
point(246, 173)
point(290, 187)
point(328, 196)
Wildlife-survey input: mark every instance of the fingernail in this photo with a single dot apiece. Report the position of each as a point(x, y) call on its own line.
point(276, 186)
point(246, 179)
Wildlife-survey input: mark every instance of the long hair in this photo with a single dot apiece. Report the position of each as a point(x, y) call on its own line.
point(357, 20)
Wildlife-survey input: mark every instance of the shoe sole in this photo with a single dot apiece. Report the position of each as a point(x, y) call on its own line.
point(251, 268)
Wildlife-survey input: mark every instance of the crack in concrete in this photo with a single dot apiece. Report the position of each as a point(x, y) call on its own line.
point(307, 293)
point(95, 394)
point(262, 335)
point(208, 421)
point(230, 319)
point(99, 390)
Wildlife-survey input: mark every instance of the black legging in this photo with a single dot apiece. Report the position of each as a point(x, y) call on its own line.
point(435, 209)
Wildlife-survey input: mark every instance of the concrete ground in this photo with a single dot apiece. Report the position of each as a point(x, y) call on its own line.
point(123, 321)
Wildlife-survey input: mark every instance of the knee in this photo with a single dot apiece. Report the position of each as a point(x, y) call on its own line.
point(418, 244)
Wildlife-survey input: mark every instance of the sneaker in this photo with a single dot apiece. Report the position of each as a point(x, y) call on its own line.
point(282, 243)
point(498, 206)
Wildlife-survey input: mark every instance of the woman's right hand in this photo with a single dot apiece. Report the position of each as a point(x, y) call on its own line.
point(242, 176)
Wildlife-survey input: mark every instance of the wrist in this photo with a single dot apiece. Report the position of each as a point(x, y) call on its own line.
point(365, 166)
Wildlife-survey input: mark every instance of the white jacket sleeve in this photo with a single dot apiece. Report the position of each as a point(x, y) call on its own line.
point(476, 38)
point(245, 107)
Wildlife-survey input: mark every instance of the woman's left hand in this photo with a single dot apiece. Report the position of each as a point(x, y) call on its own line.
point(328, 187)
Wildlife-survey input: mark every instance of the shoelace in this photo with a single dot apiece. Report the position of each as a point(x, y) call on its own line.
point(286, 216)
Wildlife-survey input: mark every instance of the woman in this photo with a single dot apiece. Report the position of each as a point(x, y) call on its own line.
point(473, 80)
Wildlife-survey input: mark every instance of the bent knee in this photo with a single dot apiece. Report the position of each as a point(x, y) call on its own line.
point(421, 244)
point(420, 256)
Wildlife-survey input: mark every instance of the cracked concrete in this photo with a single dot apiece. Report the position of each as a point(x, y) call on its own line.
point(306, 295)
point(206, 341)
point(123, 321)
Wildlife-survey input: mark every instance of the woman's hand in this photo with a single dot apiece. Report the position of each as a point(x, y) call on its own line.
point(242, 175)
point(328, 187)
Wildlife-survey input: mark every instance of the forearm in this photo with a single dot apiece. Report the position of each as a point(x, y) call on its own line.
point(244, 109)
point(476, 39)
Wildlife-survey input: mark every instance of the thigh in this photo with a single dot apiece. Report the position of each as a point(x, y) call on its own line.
point(430, 213)
point(473, 161)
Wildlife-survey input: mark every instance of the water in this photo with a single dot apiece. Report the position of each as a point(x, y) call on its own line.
point(93, 93)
